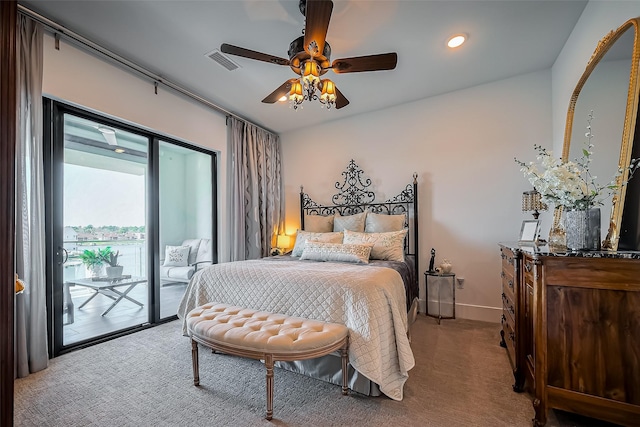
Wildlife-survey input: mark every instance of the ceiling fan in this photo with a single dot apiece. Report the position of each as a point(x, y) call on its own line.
point(309, 58)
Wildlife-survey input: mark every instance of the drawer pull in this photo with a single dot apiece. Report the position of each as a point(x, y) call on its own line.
point(512, 336)
point(503, 256)
point(502, 274)
point(504, 296)
point(527, 267)
point(510, 283)
point(511, 310)
point(504, 319)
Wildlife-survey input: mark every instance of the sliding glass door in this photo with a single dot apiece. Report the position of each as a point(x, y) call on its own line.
point(104, 192)
point(186, 219)
point(119, 197)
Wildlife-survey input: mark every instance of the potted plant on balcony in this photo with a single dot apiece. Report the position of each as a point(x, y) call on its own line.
point(113, 269)
point(92, 261)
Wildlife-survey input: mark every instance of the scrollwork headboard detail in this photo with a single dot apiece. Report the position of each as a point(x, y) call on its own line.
point(355, 196)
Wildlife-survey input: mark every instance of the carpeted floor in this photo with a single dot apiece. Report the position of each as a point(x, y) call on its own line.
point(462, 378)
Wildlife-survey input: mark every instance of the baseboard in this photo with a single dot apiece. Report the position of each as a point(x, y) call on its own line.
point(472, 312)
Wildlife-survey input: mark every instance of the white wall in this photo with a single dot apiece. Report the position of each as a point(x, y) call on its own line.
point(75, 76)
point(462, 146)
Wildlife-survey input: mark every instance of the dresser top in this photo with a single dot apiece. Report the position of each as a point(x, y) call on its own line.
point(546, 251)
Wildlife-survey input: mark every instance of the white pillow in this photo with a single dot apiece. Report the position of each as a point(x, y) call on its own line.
point(351, 222)
point(303, 236)
point(318, 251)
point(380, 223)
point(318, 223)
point(176, 256)
point(386, 246)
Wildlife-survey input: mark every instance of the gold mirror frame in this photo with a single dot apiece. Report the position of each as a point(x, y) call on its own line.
point(618, 199)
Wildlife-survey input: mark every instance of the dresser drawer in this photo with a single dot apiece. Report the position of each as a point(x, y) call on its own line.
point(509, 339)
point(509, 306)
point(508, 260)
point(508, 284)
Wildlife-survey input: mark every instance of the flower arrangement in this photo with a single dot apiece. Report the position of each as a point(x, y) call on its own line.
point(570, 184)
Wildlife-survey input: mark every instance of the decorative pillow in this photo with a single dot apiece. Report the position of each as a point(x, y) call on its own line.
point(380, 223)
point(303, 236)
point(318, 251)
point(386, 246)
point(176, 256)
point(318, 223)
point(351, 222)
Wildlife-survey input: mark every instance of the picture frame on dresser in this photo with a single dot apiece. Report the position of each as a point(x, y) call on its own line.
point(529, 231)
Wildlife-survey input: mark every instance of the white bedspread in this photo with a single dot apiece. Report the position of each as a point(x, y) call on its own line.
point(370, 301)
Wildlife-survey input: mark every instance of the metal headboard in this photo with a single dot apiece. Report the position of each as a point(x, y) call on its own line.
point(354, 197)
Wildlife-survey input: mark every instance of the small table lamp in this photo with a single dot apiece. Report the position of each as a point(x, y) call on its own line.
point(283, 242)
point(531, 203)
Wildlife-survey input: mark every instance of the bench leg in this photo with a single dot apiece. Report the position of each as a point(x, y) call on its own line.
point(268, 361)
point(194, 360)
point(344, 351)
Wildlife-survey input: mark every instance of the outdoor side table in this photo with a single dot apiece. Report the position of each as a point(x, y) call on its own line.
point(109, 287)
point(441, 295)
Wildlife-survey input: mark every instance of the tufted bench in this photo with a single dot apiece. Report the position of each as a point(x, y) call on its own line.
point(264, 336)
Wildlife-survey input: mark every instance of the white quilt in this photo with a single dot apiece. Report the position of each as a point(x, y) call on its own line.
point(369, 300)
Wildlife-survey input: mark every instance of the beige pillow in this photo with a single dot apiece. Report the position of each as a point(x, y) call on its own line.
point(351, 222)
point(318, 251)
point(386, 246)
point(318, 223)
point(303, 236)
point(380, 223)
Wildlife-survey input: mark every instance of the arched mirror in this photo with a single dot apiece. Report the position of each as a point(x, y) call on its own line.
point(606, 97)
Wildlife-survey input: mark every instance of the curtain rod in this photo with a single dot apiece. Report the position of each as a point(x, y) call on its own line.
point(86, 43)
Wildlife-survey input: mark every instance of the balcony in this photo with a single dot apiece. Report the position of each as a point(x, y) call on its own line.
point(88, 307)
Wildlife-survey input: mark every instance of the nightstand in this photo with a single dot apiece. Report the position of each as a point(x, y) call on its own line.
point(441, 295)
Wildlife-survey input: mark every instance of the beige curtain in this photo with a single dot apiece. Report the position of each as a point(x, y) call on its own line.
point(257, 202)
point(31, 311)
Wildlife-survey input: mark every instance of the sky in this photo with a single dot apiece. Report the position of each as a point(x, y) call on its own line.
point(99, 197)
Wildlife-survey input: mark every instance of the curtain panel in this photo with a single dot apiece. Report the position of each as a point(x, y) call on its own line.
point(31, 313)
point(257, 202)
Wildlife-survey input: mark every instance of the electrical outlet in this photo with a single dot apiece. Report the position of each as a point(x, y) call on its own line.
point(460, 281)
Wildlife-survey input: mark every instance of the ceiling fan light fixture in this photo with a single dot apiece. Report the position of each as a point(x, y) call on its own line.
point(328, 94)
point(310, 73)
point(295, 95)
point(456, 40)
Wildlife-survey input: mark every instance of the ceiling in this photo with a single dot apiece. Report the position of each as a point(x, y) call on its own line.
point(172, 39)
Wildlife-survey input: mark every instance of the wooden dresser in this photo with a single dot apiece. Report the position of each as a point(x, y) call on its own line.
point(571, 327)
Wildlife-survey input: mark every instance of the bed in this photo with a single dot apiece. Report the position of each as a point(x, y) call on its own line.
point(368, 281)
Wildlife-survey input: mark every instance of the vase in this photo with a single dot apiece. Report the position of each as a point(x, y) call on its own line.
point(114, 272)
point(583, 229)
point(94, 271)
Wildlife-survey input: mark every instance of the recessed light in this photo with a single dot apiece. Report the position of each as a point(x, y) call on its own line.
point(456, 40)
point(119, 150)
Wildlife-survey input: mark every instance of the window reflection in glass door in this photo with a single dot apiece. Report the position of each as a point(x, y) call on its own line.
point(186, 220)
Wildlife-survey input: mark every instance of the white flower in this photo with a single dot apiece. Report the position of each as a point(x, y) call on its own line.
point(570, 184)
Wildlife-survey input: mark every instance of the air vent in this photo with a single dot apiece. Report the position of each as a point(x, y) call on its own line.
point(221, 59)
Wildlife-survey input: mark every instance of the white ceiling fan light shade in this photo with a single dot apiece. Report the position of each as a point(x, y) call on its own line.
point(456, 40)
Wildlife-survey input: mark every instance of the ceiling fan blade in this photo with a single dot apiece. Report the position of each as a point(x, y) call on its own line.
point(280, 92)
point(383, 61)
point(252, 54)
point(341, 101)
point(317, 14)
